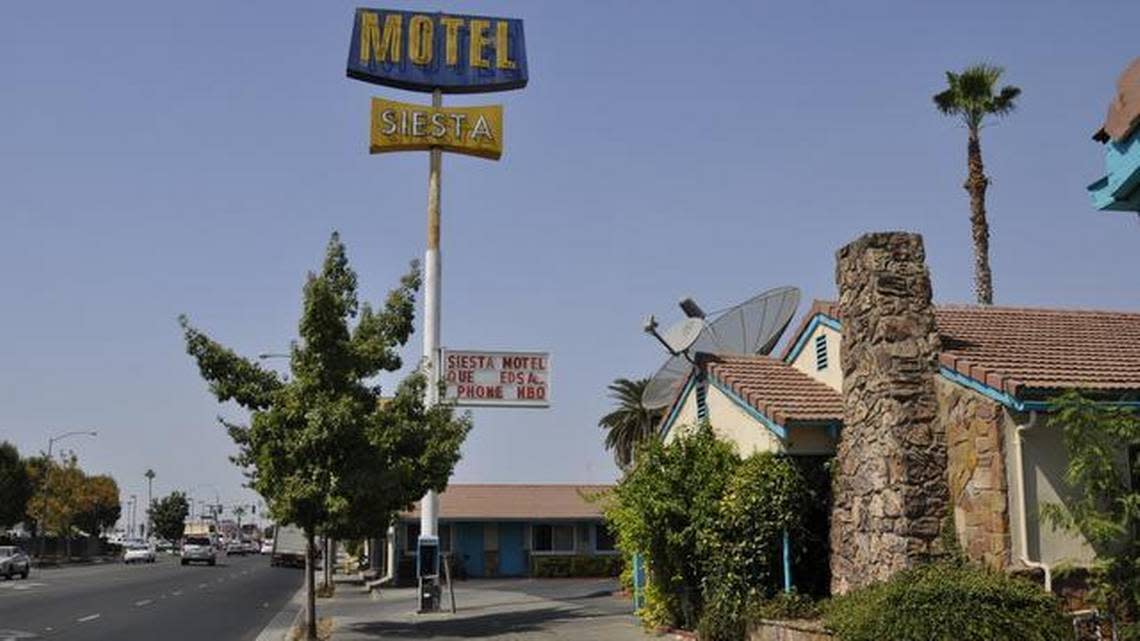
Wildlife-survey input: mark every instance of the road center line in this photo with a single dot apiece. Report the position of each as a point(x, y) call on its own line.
point(89, 617)
point(139, 604)
point(176, 593)
point(201, 585)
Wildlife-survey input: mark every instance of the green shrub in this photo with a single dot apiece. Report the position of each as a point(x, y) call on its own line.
point(783, 607)
point(765, 498)
point(575, 566)
point(948, 601)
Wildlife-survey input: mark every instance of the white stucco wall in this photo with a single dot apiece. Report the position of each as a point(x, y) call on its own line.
point(832, 375)
point(733, 424)
point(1043, 453)
point(686, 417)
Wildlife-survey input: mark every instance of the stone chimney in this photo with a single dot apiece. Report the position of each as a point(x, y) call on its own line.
point(890, 492)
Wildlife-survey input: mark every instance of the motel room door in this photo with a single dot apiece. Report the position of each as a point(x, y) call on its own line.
point(470, 539)
point(511, 549)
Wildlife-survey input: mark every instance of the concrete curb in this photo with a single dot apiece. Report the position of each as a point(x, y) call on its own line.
point(285, 620)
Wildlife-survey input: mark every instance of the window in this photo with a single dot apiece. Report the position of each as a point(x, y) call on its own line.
point(603, 538)
point(552, 538)
point(821, 352)
point(413, 532)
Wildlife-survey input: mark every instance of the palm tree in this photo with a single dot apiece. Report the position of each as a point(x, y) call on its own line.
point(971, 97)
point(629, 424)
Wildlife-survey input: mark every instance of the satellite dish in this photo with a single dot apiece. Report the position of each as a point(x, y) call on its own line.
point(752, 327)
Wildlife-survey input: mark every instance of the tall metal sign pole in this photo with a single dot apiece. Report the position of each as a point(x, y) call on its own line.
point(440, 54)
point(429, 506)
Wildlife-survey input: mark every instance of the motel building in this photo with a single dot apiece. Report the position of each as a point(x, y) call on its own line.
point(997, 368)
point(508, 530)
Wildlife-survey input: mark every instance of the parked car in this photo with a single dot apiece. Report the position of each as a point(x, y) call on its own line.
point(235, 546)
point(199, 549)
point(138, 552)
point(13, 561)
point(251, 546)
point(267, 546)
point(162, 545)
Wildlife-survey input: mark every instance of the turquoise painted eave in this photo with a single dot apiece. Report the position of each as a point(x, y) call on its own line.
point(1119, 188)
point(816, 321)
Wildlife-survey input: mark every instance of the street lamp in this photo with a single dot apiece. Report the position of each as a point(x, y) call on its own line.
point(47, 478)
point(149, 499)
point(267, 355)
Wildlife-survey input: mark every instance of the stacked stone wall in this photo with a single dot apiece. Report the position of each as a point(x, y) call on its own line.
point(976, 473)
point(890, 490)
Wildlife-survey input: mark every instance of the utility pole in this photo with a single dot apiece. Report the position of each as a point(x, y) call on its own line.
point(149, 500)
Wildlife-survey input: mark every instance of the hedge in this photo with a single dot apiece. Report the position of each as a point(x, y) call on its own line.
point(948, 601)
point(575, 566)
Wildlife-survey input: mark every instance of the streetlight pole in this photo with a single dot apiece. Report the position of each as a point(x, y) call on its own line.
point(47, 478)
point(149, 499)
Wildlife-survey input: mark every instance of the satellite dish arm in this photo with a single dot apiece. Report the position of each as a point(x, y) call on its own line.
point(650, 327)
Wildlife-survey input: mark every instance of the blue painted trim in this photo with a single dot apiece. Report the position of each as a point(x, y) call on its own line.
point(773, 427)
point(816, 321)
point(1011, 401)
point(787, 563)
point(677, 405)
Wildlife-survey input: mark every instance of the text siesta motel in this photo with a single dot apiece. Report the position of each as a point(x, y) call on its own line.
point(429, 51)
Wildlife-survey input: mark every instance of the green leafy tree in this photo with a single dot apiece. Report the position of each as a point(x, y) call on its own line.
point(99, 506)
point(971, 96)
point(631, 423)
point(1104, 505)
point(168, 515)
point(663, 509)
point(15, 485)
point(764, 499)
point(322, 448)
point(61, 495)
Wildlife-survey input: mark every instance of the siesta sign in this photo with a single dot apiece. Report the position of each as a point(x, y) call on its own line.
point(399, 126)
point(511, 379)
point(429, 51)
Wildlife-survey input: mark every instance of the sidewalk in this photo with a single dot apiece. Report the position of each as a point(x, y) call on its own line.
point(551, 609)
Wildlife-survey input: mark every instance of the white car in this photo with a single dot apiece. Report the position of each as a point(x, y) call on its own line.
point(138, 552)
point(267, 546)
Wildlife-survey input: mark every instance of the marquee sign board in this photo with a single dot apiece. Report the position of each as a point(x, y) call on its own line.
point(429, 51)
point(399, 126)
point(476, 378)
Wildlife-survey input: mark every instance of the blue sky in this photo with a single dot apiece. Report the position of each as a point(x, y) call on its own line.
point(160, 158)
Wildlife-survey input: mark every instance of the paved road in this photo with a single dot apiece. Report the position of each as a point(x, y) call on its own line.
point(164, 601)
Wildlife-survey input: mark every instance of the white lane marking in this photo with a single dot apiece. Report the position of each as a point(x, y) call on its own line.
point(220, 580)
point(139, 604)
point(14, 635)
point(89, 617)
point(201, 586)
point(176, 593)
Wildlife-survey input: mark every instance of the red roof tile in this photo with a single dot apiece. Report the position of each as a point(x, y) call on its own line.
point(516, 501)
point(1013, 349)
point(778, 390)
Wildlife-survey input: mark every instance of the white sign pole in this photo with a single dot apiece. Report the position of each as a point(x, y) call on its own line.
point(429, 506)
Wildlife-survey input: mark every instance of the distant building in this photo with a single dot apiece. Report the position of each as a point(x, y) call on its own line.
point(503, 530)
point(1119, 189)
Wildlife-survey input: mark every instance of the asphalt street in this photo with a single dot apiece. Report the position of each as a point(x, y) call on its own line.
point(162, 601)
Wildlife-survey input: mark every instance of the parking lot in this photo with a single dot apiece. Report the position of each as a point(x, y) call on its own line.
point(549, 609)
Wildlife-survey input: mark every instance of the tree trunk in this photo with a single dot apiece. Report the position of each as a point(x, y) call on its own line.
point(310, 588)
point(976, 184)
point(328, 561)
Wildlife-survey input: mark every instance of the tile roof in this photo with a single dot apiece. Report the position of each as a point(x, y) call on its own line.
point(516, 501)
point(1014, 349)
point(776, 389)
